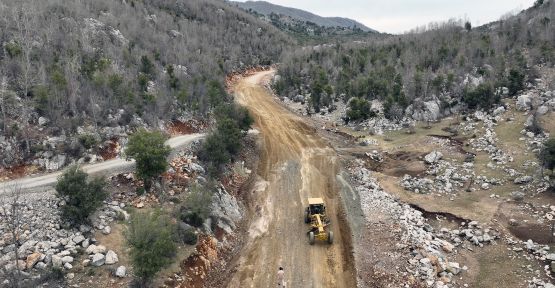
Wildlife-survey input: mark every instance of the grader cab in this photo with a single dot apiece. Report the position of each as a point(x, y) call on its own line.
point(315, 215)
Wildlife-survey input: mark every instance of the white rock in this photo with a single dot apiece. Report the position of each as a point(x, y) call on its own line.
point(78, 239)
point(523, 180)
point(93, 249)
point(111, 257)
point(98, 259)
point(43, 121)
point(57, 261)
point(433, 157)
point(498, 111)
point(67, 259)
point(106, 230)
point(542, 110)
point(121, 271)
point(524, 102)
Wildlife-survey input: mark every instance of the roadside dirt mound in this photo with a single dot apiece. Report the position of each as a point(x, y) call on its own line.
point(178, 127)
point(110, 149)
point(17, 171)
point(196, 267)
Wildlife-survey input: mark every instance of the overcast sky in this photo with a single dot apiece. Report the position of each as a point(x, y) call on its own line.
point(398, 16)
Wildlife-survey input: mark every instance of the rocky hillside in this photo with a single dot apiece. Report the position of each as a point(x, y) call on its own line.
point(104, 67)
point(266, 8)
point(425, 74)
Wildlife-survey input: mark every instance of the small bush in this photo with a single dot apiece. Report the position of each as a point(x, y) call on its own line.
point(151, 239)
point(13, 49)
point(547, 155)
point(225, 142)
point(192, 218)
point(55, 273)
point(88, 141)
point(197, 206)
point(82, 197)
point(140, 191)
point(359, 109)
point(188, 235)
point(515, 81)
point(150, 152)
point(482, 96)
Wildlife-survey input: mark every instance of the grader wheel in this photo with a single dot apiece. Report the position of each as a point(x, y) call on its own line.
point(311, 238)
point(306, 217)
point(330, 237)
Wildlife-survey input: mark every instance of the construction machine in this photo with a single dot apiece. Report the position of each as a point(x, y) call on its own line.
point(315, 215)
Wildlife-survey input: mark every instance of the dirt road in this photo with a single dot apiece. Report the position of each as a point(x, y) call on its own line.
point(44, 182)
point(295, 164)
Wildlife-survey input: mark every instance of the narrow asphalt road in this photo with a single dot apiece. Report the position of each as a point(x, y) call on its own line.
point(45, 182)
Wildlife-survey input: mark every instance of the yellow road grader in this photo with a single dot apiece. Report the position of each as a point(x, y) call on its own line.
point(315, 215)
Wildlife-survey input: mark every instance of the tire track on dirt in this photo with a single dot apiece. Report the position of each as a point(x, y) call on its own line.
point(297, 164)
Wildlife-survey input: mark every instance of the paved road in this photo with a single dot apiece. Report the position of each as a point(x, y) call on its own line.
point(45, 182)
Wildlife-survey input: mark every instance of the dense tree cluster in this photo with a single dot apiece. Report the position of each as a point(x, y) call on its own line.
point(428, 63)
point(221, 146)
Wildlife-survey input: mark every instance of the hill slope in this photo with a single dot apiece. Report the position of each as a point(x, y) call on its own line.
point(266, 8)
point(425, 74)
point(65, 65)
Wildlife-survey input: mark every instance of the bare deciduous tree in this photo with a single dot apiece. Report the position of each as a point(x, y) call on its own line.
point(12, 217)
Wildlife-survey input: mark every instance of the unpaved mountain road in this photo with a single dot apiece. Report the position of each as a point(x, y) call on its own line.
point(295, 164)
point(45, 182)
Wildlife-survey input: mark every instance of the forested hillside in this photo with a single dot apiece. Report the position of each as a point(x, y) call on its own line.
point(67, 64)
point(450, 64)
point(82, 61)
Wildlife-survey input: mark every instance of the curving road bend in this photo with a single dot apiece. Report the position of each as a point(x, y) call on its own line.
point(295, 164)
point(45, 182)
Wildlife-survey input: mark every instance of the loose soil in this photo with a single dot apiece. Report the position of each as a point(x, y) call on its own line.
point(295, 164)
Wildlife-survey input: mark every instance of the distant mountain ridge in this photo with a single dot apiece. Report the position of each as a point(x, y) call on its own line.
point(266, 8)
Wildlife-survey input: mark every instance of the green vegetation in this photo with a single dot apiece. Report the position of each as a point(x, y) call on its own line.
point(82, 197)
point(442, 61)
point(547, 155)
point(225, 142)
point(150, 153)
point(88, 141)
point(151, 239)
point(515, 81)
point(188, 236)
point(482, 97)
point(71, 82)
point(197, 206)
point(13, 49)
point(359, 109)
point(547, 160)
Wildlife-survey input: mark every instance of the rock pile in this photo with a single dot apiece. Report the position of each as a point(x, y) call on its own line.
point(428, 251)
point(417, 185)
point(44, 242)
